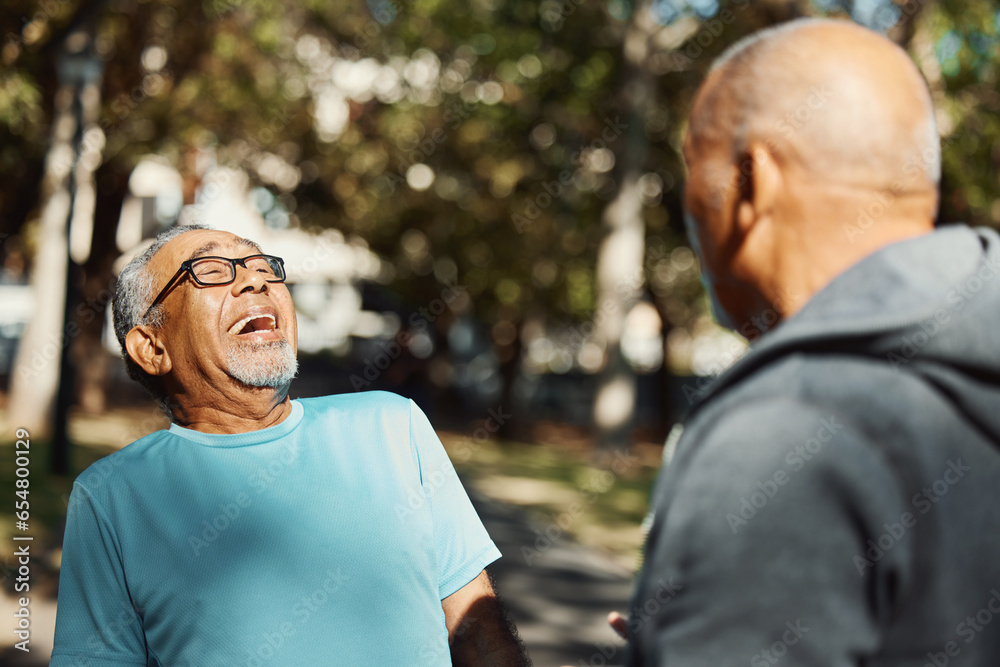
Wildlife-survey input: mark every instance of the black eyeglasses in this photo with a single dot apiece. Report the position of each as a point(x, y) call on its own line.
point(208, 271)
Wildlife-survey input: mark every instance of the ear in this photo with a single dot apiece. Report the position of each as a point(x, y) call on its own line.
point(762, 186)
point(144, 346)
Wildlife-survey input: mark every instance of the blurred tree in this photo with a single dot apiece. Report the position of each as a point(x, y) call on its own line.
point(68, 191)
point(500, 146)
point(957, 45)
point(619, 270)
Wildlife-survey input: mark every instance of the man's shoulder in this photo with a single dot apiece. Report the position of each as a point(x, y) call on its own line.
point(358, 399)
point(358, 404)
point(848, 379)
point(823, 401)
point(762, 432)
point(127, 462)
point(791, 455)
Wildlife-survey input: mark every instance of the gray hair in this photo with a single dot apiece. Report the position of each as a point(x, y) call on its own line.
point(134, 291)
point(752, 80)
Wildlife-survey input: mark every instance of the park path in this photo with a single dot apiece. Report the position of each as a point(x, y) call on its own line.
point(558, 596)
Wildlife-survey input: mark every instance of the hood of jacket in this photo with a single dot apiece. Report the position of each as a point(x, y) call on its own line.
point(928, 305)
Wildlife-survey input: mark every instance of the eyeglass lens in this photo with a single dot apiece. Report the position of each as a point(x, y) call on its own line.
point(211, 271)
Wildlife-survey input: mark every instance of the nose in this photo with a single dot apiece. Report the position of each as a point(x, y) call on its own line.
point(248, 281)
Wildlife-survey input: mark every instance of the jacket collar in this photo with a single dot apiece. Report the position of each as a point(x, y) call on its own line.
point(892, 289)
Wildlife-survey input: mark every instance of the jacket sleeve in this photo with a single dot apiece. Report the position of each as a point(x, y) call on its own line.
point(777, 537)
point(96, 623)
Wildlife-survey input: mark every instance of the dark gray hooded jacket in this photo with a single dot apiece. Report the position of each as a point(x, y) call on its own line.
point(835, 496)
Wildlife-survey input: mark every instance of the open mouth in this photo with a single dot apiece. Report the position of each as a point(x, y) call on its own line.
point(253, 323)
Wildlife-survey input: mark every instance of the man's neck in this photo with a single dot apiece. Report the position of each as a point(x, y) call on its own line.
point(830, 227)
point(809, 272)
point(255, 408)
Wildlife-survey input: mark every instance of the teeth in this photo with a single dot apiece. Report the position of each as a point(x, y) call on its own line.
point(238, 327)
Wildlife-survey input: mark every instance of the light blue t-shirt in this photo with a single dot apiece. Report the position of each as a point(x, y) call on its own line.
point(328, 539)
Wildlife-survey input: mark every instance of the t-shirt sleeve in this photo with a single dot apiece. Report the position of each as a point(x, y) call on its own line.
point(462, 545)
point(761, 545)
point(96, 623)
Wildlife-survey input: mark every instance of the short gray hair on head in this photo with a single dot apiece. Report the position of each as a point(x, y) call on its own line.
point(134, 291)
point(760, 67)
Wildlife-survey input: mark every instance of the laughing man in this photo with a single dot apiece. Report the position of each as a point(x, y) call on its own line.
point(260, 530)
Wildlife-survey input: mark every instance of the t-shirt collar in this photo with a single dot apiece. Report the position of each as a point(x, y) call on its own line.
point(268, 434)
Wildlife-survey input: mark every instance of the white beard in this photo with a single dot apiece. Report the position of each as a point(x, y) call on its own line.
point(262, 364)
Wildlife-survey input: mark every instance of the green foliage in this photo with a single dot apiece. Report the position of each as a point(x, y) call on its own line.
point(20, 102)
point(967, 45)
point(528, 94)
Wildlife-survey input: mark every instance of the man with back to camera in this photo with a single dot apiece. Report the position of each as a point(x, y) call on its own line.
point(832, 500)
point(261, 530)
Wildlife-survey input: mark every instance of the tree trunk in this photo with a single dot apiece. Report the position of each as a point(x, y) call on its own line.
point(510, 369)
point(619, 279)
point(68, 192)
point(620, 257)
point(89, 354)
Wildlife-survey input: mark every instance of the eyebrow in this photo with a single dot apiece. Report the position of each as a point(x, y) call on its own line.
point(213, 246)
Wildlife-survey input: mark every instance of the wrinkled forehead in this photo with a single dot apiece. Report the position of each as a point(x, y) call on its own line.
point(198, 243)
